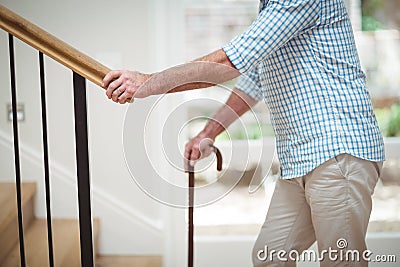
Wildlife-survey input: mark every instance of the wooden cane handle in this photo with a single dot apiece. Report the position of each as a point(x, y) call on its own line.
point(219, 157)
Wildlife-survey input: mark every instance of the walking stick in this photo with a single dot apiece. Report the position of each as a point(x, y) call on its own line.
point(191, 204)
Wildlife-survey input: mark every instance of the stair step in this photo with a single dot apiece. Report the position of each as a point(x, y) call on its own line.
point(9, 214)
point(126, 261)
point(65, 240)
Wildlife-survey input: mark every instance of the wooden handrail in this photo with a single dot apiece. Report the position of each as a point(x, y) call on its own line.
point(52, 46)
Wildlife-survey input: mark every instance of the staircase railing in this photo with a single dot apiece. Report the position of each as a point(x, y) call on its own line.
point(83, 68)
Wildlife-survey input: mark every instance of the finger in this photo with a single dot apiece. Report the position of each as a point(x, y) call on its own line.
point(113, 86)
point(123, 98)
point(117, 93)
point(121, 101)
point(194, 156)
point(188, 151)
point(112, 75)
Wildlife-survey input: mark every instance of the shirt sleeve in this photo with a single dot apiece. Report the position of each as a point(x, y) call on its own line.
point(275, 25)
point(249, 83)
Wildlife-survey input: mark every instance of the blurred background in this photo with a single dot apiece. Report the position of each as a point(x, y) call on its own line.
point(135, 229)
point(376, 25)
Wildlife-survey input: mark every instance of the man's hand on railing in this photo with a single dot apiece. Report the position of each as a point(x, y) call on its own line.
point(122, 85)
point(212, 69)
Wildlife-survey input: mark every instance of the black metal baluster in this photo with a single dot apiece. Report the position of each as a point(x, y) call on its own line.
point(16, 149)
point(82, 162)
point(46, 159)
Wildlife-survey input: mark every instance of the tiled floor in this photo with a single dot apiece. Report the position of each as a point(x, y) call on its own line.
point(125, 261)
point(385, 215)
point(241, 213)
point(237, 213)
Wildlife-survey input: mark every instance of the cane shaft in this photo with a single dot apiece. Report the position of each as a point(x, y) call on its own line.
point(191, 205)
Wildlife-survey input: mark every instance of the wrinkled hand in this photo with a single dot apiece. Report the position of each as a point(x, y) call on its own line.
point(122, 85)
point(197, 148)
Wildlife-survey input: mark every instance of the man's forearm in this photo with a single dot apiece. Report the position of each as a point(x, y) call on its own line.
point(210, 70)
point(237, 104)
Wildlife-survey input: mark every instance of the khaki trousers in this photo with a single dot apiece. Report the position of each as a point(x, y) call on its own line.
point(330, 205)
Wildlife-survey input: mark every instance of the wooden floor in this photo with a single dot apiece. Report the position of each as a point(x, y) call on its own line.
point(8, 215)
point(65, 236)
point(65, 242)
point(65, 232)
point(127, 261)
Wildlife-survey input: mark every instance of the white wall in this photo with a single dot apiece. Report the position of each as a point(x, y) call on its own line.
point(142, 35)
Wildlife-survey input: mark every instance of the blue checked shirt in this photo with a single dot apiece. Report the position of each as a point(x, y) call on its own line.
point(300, 57)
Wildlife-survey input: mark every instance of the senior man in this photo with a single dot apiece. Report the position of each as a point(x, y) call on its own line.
point(299, 56)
